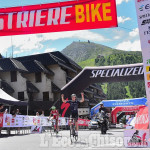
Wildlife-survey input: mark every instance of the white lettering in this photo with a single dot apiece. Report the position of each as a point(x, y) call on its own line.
point(22, 18)
point(38, 18)
point(50, 16)
point(31, 18)
point(64, 15)
point(10, 19)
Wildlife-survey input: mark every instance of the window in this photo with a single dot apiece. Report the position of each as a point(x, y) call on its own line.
point(45, 96)
point(38, 77)
point(21, 95)
point(13, 75)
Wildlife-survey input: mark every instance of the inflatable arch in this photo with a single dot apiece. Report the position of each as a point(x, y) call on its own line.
point(123, 109)
point(90, 75)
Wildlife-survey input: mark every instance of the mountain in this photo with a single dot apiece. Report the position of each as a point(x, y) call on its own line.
point(81, 52)
point(92, 54)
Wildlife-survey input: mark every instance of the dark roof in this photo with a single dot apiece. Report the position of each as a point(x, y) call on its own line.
point(6, 87)
point(55, 88)
point(63, 64)
point(88, 90)
point(96, 86)
point(9, 64)
point(52, 58)
point(98, 96)
point(93, 102)
point(66, 59)
point(35, 66)
point(44, 58)
point(31, 88)
point(68, 78)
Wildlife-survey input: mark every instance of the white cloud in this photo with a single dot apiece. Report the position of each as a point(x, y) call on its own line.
point(123, 19)
point(129, 46)
point(5, 43)
point(82, 34)
point(26, 43)
point(49, 50)
point(117, 37)
point(118, 2)
point(134, 33)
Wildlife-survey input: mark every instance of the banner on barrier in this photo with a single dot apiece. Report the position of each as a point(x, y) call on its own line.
point(36, 129)
point(8, 120)
point(136, 138)
point(54, 17)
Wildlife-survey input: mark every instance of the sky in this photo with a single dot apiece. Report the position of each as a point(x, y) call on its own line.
point(123, 37)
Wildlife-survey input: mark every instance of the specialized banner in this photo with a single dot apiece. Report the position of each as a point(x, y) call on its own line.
point(54, 17)
point(143, 17)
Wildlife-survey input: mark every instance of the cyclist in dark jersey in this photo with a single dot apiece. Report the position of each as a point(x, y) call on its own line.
point(74, 107)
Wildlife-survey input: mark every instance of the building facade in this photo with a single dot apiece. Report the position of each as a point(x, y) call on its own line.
point(38, 79)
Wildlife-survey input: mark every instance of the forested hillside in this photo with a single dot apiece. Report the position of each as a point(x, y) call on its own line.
point(122, 90)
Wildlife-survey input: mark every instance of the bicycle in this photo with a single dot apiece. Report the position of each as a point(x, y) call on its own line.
point(73, 135)
point(52, 127)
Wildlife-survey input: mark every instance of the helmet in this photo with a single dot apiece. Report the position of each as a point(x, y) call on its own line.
point(101, 103)
point(73, 95)
point(53, 107)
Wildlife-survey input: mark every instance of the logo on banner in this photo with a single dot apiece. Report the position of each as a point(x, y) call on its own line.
point(147, 68)
point(148, 84)
point(148, 61)
point(144, 22)
point(144, 7)
point(117, 72)
point(144, 16)
point(137, 140)
point(141, 0)
point(148, 76)
point(147, 32)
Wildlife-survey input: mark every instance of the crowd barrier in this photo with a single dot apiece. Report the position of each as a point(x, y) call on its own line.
point(8, 121)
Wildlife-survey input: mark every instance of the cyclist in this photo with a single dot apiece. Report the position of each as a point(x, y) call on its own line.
point(55, 114)
point(74, 107)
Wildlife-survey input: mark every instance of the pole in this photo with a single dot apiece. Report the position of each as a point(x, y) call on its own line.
point(9, 109)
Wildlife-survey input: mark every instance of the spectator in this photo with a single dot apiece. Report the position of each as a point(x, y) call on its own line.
point(1, 108)
point(37, 114)
point(42, 115)
point(17, 112)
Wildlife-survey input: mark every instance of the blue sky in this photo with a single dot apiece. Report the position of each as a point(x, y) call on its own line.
point(124, 37)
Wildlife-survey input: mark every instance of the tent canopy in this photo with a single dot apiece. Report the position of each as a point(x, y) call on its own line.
point(9, 100)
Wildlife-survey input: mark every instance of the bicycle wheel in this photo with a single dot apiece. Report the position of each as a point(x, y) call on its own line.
point(51, 131)
point(71, 134)
point(76, 137)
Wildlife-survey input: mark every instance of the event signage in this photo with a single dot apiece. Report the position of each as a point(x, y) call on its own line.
point(136, 138)
point(117, 72)
point(8, 120)
point(123, 102)
point(55, 17)
point(143, 17)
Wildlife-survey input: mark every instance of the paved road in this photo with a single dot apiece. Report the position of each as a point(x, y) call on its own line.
point(88, 140)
